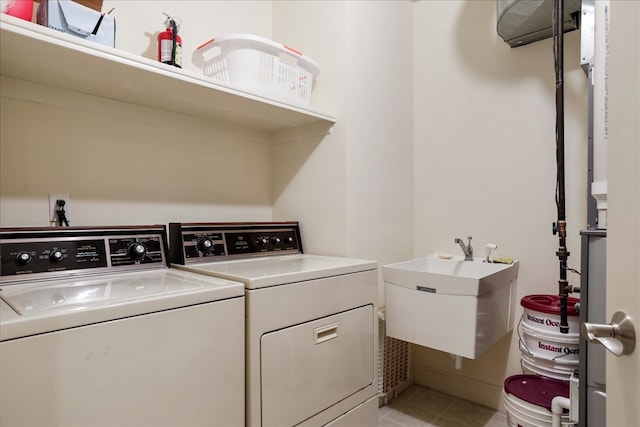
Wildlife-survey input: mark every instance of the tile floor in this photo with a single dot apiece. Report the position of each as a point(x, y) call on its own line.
point(422, 407)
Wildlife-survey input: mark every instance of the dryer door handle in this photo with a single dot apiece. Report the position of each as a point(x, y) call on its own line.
point(325, 333)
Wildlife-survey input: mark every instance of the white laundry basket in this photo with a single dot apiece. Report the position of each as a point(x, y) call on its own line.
point(258, 65)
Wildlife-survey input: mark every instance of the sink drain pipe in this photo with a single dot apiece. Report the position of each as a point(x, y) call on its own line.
point(457, 360)
point(561, 405)
point(558, 405)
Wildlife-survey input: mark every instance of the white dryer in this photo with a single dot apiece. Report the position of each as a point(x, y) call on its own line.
point(311, 326)
point(96, 329)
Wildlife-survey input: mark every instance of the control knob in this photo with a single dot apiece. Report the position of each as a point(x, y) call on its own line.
point(275, 240)
point(262, 241)
point(205, 244)
point(137, 250)
point(56, 255)
point(23, 258)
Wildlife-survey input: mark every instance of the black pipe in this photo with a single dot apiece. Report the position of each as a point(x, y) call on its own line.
point(562, 253)
point(174, 42)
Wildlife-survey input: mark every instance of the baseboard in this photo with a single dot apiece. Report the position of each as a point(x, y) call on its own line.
point(466, 388)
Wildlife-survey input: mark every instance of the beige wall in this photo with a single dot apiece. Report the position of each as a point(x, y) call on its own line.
point(354, 193)
point(121, 170)
point(484, 164)
point(380, 130)
point(309, 176)
point(123, 164)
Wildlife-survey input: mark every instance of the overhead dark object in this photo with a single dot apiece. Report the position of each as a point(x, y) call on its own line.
point(522, 22)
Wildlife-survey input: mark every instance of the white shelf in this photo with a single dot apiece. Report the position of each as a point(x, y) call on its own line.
point(38, 54)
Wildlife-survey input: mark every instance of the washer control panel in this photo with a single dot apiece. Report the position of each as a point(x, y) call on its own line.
point(27, 254)
point(191, 242)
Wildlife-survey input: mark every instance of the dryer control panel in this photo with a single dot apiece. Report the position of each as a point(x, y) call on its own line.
point(31, 253)
point(191, 242)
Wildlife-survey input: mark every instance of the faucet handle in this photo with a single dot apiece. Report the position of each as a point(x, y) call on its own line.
point(488, 248)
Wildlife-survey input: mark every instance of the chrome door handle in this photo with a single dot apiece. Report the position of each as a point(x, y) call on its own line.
point(619, 336)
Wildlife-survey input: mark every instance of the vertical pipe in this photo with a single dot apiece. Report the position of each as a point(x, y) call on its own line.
point(563, 286)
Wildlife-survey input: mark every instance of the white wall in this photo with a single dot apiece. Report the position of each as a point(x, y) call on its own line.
point(442, 131)
point(380, 130)
point(309, 176)
point(353, 193)
point(485, 164)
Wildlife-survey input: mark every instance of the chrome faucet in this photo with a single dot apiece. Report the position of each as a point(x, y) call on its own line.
point(468, 250)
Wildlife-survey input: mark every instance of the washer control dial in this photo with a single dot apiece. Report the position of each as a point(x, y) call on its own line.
point(23, 258)
point(262, 241)
point(137, 250)
point(205, 244)
point(56, 255)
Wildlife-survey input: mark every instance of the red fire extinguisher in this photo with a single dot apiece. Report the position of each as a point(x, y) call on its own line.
point(170, 43)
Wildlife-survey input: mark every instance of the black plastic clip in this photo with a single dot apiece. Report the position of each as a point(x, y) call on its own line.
point(60, 212)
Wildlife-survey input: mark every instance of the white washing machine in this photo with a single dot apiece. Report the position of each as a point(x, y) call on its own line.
point(311, 325)
point(96, 329)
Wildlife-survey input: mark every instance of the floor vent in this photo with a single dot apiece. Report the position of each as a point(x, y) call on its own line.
point(393, 364)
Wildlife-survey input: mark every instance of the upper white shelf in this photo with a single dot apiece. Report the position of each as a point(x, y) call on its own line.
point(38, 54)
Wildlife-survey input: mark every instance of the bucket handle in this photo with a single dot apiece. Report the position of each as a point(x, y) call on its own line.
point(521, 339)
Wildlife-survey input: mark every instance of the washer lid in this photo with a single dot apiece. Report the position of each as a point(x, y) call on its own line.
point(280, 270)
point(536, 389)
point(51, 305)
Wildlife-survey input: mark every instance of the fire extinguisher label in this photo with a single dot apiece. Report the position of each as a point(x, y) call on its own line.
point(166, 46)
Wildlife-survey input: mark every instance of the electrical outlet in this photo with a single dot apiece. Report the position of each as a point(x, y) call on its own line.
point(54, 208)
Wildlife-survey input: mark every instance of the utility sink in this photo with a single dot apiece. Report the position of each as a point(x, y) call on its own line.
point(453, 276)
point(461, 307)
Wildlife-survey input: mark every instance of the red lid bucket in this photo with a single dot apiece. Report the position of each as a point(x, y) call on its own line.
point(540, 337)
point(527, 399)
point(535, 389)
point(542, 314)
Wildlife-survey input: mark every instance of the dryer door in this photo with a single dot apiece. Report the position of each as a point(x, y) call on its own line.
point(309, 367)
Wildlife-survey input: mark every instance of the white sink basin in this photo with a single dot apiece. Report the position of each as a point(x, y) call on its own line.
point(451, 276)
point(461, 307)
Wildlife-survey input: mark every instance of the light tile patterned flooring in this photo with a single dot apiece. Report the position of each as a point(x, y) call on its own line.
point(423, 407)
